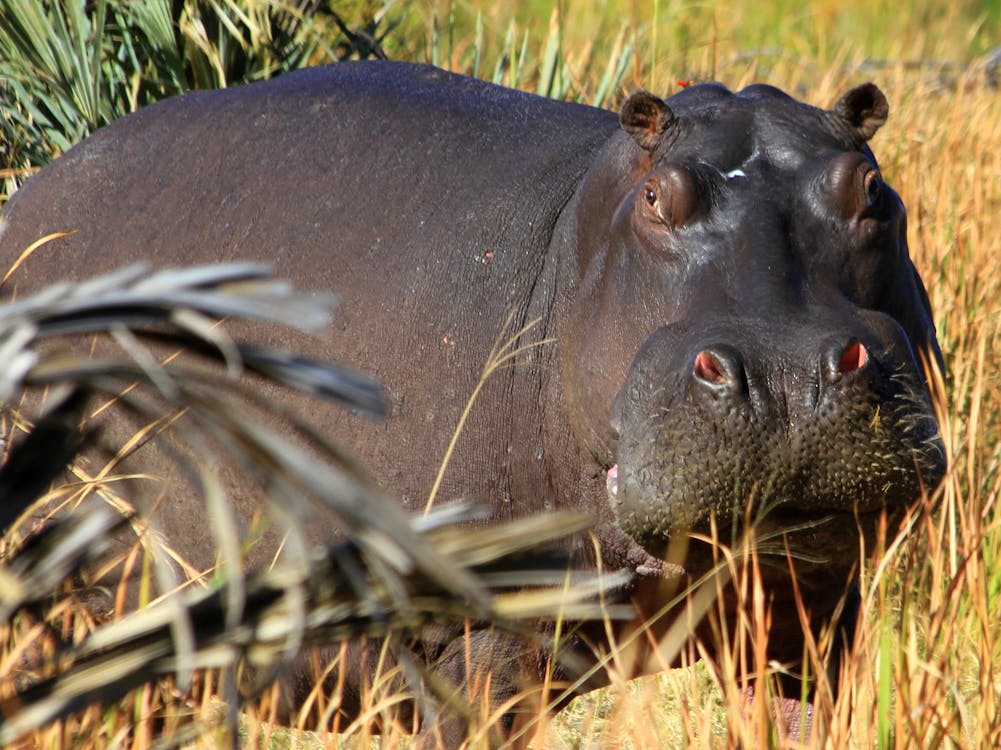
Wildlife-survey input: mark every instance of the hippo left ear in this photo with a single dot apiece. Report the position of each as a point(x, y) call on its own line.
point(864, 109)
point(646, 117)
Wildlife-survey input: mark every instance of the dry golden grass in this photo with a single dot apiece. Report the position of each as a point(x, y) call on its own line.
point(927, 666)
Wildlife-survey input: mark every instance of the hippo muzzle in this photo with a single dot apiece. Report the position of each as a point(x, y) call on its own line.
point(771, 421)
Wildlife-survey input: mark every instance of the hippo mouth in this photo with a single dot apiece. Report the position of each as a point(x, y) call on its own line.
point(814, 537)
point(612, 483)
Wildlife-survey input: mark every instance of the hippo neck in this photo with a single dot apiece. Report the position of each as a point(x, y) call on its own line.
point(578, 476)
point(592, 371)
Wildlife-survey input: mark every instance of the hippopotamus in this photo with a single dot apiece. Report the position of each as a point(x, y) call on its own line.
point(692, 316)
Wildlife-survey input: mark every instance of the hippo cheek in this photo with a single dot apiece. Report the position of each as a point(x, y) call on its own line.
point(704, 441)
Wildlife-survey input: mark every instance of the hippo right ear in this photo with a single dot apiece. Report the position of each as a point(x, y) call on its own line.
point(646, 117)
point(864, 109)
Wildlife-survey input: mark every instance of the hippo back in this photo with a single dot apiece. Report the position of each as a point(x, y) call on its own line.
point(425, 200)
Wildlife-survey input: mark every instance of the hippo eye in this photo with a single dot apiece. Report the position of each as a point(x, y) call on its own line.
point(873, 186)
point(854, 185)
point(672, 194)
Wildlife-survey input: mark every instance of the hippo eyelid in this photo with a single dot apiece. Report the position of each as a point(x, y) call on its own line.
point(872, 187)
point(853, 186)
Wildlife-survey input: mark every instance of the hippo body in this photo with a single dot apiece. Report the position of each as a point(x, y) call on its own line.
point(714, 297)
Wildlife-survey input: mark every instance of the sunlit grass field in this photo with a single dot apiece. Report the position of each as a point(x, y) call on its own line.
point(927, 665)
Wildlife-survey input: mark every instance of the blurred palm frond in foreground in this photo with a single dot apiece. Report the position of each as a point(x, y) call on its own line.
point(386, 576)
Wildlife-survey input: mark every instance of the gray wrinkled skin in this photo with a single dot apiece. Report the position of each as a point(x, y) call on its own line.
point(721, 299)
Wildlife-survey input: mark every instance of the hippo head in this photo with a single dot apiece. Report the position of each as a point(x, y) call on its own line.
point(748, 326)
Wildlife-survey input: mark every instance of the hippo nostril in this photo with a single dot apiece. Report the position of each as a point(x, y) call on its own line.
point(853, 357)
point(708, 367)
point(719, 367)
point(842, 360)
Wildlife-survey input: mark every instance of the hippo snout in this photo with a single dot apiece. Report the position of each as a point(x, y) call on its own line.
point(779, 418)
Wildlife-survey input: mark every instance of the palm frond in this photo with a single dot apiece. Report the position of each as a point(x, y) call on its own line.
point(390, 576)
point(287, 608)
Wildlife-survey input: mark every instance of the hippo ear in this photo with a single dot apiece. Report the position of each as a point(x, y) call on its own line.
point(864, 108)
point(645, 117)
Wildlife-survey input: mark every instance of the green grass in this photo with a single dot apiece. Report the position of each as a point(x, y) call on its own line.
point(68, 67)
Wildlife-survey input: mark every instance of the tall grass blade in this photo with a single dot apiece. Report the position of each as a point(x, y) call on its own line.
point(615, 70)
point(549, 65)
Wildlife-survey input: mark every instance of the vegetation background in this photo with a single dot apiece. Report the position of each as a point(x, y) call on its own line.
point(928, 666)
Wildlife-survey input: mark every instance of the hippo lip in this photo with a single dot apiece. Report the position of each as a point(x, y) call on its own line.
point(828, 535)
point(642, 563)
point(788, 511)
point(612, 482)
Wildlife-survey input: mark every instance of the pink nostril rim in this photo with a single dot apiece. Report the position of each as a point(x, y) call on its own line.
point(709, 368)
point(853, 358)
